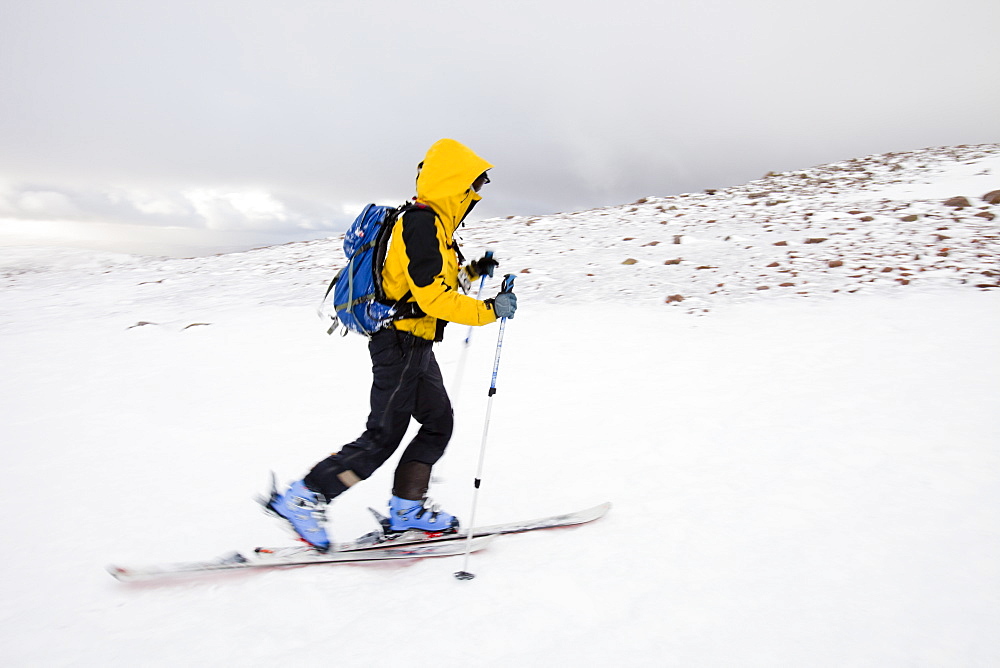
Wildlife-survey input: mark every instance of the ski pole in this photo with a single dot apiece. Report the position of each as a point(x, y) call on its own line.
point(468, 337)
point(464, 574)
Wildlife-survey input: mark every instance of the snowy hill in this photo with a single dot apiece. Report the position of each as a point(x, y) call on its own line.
point(805, 476)
point(865, 226)
point(862, 226)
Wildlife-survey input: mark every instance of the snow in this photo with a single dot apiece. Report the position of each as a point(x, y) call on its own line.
point(801, 476)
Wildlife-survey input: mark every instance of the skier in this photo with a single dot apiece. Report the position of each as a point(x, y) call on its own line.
point(421, 266)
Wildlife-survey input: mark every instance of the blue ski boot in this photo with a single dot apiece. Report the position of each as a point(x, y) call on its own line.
point(304, 510)
point(405, 515)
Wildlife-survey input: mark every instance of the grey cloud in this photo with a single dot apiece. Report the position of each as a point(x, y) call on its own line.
point(198, 208)
point(578, 104)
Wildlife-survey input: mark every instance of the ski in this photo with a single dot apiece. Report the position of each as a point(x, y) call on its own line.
point(381, 539)
point(290, 556)
point(373, 546)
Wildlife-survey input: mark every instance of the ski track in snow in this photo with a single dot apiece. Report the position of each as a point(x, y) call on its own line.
point(807, 475)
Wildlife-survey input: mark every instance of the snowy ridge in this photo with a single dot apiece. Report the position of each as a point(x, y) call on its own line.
point(866, 226)
point(870, 225)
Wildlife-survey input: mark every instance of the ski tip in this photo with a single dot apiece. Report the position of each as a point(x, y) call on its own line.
point(117, 572)
point(601, 510)
point(591, 514)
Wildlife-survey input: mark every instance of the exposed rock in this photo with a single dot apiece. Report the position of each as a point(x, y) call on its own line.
point(958, 202)
point(992, 197)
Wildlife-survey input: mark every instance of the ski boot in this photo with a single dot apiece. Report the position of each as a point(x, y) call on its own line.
point(304, 510)
point(421, 515)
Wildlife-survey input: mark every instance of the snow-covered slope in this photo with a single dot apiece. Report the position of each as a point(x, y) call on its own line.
point(867, 226)
point(807, 476)
point(863, 226)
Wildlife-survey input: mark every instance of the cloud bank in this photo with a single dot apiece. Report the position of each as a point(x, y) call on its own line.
point(259, 116)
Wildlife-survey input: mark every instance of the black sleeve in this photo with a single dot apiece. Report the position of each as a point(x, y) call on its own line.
point(422, 251)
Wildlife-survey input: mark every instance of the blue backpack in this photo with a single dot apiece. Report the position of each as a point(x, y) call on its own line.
point(358, 298)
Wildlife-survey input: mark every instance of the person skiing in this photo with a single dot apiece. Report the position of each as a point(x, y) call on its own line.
point(422, 266)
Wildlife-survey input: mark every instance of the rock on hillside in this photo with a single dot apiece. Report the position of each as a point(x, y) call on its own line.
point(883, 222)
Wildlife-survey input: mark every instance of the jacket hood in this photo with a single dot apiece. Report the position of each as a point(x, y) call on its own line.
point(445, 180)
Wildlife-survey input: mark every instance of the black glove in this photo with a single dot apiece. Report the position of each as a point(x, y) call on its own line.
point(484, 266)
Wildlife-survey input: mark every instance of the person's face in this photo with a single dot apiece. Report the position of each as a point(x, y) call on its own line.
point(480, 182)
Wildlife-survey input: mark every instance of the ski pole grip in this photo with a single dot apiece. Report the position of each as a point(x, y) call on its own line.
point(508, 283)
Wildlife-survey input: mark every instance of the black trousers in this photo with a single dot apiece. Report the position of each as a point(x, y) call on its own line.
point(406, 383)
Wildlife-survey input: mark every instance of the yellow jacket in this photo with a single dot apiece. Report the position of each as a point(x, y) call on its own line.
point(422, 258)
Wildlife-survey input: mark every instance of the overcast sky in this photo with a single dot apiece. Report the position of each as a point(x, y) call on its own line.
point(283, 117)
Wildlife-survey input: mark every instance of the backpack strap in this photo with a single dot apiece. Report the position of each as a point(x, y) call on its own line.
point(406, 309)
point(458, 250)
